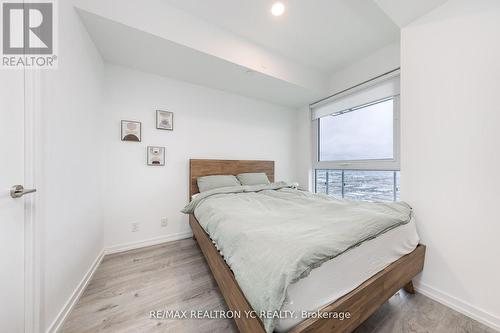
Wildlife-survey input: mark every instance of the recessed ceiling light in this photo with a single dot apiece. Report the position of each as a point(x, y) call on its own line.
point(278, 9)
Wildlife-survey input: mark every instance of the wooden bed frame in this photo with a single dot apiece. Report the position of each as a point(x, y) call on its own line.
point(361, 303)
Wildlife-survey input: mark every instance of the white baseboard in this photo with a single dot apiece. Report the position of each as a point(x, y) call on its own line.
point(70, 303)
point(75, 296)
point(148, 242)
point(456, 304)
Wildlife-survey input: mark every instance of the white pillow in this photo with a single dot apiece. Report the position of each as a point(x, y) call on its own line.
point(257, 178)
point(207, 183)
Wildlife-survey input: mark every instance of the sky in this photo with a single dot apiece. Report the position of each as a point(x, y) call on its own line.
point(366, 133)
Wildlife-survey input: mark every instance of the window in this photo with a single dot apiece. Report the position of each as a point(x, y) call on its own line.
point(357, 146)
point(362, 134)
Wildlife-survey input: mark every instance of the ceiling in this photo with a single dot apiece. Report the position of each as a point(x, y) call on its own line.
point(322, 34)
point(238, 46)
point(122, 45)
point(403, 12)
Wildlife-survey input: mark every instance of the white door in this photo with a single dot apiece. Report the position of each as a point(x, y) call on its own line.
point(12, 211)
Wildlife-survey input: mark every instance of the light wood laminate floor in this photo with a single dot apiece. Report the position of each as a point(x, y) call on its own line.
point(174, 276)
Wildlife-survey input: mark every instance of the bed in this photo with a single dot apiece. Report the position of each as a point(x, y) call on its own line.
point(351, 282)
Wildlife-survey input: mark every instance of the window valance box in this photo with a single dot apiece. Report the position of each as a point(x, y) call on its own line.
point(374, 90)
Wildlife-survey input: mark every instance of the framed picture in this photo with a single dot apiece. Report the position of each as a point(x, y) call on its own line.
point(131, 131)
point(156, 156)
point(164, 120)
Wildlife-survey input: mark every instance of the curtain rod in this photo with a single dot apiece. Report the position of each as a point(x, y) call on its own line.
point(355, 86)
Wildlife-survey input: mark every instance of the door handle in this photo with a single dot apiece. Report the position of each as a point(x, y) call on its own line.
point(18, 191)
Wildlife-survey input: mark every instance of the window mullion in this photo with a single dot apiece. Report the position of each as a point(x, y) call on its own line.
point(343, 184)
point(394, 184)
point(327, 182)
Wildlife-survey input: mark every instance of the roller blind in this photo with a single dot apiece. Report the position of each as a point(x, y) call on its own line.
point(371, 92)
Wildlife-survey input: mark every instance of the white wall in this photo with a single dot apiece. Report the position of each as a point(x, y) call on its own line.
point(450, 151)
point(207, 124)
point(382, 61)
point(304, 148)
point(70, 203)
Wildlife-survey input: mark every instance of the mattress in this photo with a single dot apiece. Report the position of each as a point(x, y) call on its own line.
point(341, 275)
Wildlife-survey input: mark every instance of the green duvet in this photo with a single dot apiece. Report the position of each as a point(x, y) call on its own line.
point(273, 235)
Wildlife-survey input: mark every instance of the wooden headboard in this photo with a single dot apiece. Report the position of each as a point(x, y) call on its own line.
point(199, 168)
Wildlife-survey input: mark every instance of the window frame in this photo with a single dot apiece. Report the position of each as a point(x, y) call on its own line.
point(392, 164)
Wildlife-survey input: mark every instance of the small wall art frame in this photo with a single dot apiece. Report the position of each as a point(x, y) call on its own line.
point(131, 131)
point(155, 156)
point(164, 120)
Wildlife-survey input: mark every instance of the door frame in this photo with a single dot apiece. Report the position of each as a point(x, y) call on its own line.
point(33, 224)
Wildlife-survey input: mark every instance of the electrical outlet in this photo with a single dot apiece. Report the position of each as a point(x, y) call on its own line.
point(135, 227)
point(164, 222)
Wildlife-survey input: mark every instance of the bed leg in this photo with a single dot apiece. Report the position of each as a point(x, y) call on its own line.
point(409, 287)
